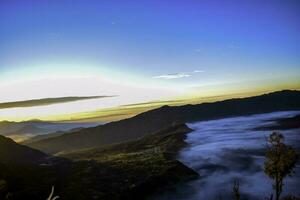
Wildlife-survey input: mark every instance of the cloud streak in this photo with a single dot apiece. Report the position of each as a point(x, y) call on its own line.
point(172, 76)
point(46, 101)
point(178, 75)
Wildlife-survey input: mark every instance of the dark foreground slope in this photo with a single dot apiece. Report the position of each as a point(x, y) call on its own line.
point(124, 171)
point(157, 119)
point(26, 173)
point(10, 151)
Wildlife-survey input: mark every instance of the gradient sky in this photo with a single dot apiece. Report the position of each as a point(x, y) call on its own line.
point(147, 50)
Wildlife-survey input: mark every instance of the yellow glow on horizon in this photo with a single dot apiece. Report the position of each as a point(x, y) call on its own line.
point(133, 99)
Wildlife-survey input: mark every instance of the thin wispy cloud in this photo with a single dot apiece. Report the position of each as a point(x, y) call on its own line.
point(178, 75)
point(198, 71)
point(173, 76)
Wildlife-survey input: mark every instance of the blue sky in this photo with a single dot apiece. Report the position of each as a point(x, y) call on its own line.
point(142, 42)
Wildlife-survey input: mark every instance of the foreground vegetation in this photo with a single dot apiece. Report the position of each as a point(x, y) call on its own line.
point(121, 171)
point(280, 161)
point(130, 170)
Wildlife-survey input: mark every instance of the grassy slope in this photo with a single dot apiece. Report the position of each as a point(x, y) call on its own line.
point(144, 165)
point(128, 170)
point(168, 141)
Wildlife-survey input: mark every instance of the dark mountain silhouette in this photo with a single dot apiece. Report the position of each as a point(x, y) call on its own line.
point(12, 152)
point(157, 119)
point(48, 135)
point(42, 137)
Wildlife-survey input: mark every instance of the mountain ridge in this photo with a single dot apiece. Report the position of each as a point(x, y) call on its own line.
point(160, 118)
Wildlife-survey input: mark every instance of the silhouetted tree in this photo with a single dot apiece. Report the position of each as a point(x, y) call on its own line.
point(236, 190)
point(280, 161)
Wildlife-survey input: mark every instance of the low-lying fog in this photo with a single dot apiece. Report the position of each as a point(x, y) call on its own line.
point(227, 149)
point(21, 131)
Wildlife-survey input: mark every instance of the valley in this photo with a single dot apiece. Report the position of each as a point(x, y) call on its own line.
point(182, 152)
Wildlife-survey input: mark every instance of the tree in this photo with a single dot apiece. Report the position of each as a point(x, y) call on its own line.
point(280, 161)
point(236, 190)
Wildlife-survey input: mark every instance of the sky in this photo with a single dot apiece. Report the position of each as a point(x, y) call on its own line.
point(141, 51)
